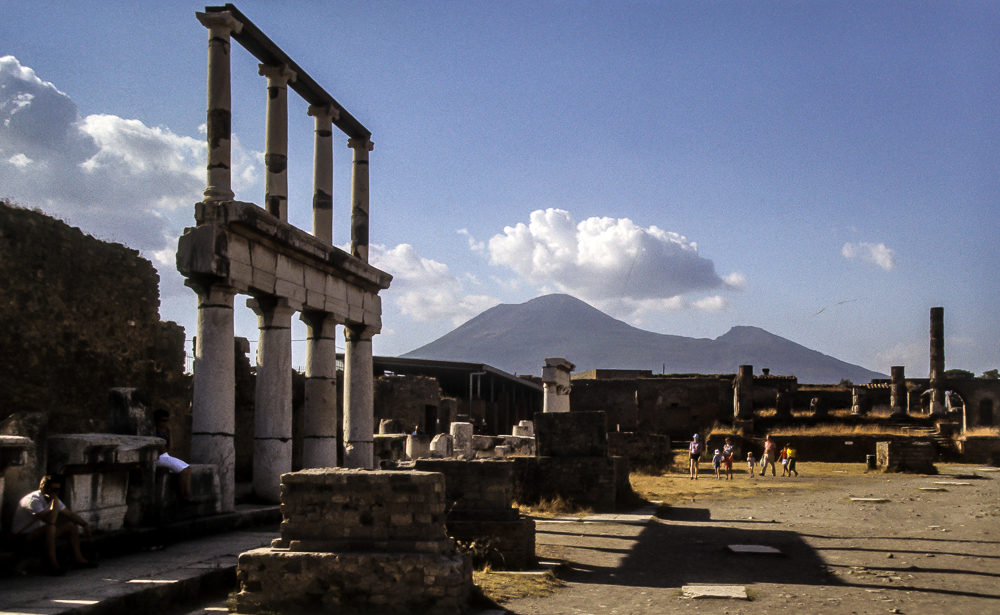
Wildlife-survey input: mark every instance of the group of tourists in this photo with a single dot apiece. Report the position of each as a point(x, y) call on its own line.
point(722, 461)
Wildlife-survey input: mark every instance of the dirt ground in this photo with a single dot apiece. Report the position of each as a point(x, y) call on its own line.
point(933, 552)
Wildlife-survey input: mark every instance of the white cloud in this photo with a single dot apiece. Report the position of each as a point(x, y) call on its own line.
point(610, 262)
point(876, 253)
point(113, 177)
point(475, 246)
point(424, 289)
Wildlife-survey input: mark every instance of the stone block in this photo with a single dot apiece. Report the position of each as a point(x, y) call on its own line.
point(263, 281)
point(418, 446)
point(98, 497)
point(390, 426)
point(315, 280)
point(263, 259)
point(240, 274)
point(336, 289)
point(373, 303)
point(442, 446)
point(239, 250)
point(571, 434)
point(462, 434)
point(295, 293)
point(289, 270)
point(525, 429)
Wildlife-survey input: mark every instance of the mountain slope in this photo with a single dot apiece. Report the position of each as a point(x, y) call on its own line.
point(517, 338)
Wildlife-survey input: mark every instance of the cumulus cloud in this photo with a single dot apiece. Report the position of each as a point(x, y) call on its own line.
point(426, 290)
point(610, 260)
point(876, 253)
point(113, 177)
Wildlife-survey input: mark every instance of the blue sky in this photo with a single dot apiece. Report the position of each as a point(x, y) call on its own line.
point(824, 170)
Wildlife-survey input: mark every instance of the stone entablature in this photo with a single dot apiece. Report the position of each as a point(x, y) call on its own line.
point(252, 252)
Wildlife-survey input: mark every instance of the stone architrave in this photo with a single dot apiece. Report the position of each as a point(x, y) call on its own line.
point(272, 446)
point(897, 390)
point(743, 393)
point(320, 422)
point(937, 384)
point(462, 434)
point(556, 381)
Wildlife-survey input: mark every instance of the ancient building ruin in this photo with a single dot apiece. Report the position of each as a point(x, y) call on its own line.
point(242, 248)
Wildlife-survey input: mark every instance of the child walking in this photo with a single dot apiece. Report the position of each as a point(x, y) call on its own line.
point(717, 464)
point(751, 463)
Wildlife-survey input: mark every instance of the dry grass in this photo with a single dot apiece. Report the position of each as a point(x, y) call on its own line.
point(502, 587)
point(556, 507)
point(840, 430)
point(678, 488)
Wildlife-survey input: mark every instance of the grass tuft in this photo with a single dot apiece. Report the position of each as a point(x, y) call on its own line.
point(501, 587)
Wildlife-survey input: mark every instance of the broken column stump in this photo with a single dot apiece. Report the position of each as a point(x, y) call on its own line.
point(358, 541)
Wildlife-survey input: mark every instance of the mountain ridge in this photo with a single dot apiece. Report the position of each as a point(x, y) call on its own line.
point(518, 337)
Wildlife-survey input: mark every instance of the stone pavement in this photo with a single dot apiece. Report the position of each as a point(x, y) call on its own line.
point(159, 576)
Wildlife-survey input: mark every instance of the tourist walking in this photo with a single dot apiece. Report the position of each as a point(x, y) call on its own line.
point(751, 463)
point(694, 456)
point(727, 458)
point(790, 454)
point(769, 457)
point(784, 463)
point(717, 464)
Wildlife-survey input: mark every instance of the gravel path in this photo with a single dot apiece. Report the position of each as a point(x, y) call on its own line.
point(933, 552)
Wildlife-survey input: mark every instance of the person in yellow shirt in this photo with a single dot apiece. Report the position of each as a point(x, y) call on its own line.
point(790, 455)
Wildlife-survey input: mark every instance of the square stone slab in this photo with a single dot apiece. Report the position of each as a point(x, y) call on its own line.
point(870, 500)
point(754, 549)
point(932, 488)
point(950, 482)
point(736, 592)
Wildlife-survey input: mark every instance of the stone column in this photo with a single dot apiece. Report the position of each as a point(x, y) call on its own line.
point(219, 180)
point(276, 141)
point(319, 444)
point(323, 172)
point(897, 390)
point(359, 398)
point(213, 405)
point(937, 384)
point(743, 393)
point(359, 197)
point(556, 383)
point(272, 442)
point(859, 402)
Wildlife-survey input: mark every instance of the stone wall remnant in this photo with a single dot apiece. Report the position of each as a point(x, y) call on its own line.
point(937, 384)
point(743, 393)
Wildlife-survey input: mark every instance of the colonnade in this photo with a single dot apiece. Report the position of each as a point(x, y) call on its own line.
point(213, 410)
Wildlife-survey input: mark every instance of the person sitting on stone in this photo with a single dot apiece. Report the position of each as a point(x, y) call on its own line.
point(41, 517)
point(167, 463)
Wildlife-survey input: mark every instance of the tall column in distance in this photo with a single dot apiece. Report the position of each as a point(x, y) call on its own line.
point(743, 393)
point(276, 140)
point(323, 172)
point(359, 197)
point(897, 391)
point(937, 383)
point(213, 404)
point(359, 398)
point(219, 175)
point(272, 442)
point(319, 443)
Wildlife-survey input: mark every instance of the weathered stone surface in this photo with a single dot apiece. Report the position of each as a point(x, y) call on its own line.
point(418, 446)
point(905, 456)
point(390, 447)
point(291, 582)
point(571, 434)
point(462, 433)
point(442, 446)
point(525, 429)
point(598, 482)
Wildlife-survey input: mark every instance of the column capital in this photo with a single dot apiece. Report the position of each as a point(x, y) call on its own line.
point(272, 307)
point(279, 72)
point(359, 333)
point(222, 23)
point(319, 320)
point(360, 145)
point(323, 111)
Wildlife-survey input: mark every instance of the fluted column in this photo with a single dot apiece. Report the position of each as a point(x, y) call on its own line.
point(213, 405)
point(937, 383)
point(272, 442)
point(276, 141)
point(219, 175)
point(359, 398)
point(359, 197)
point(319, 444)
point(323, 172)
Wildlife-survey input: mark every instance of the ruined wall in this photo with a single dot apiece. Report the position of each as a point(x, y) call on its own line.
point(80, 316)
point(414, 400)
point(669, 406)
